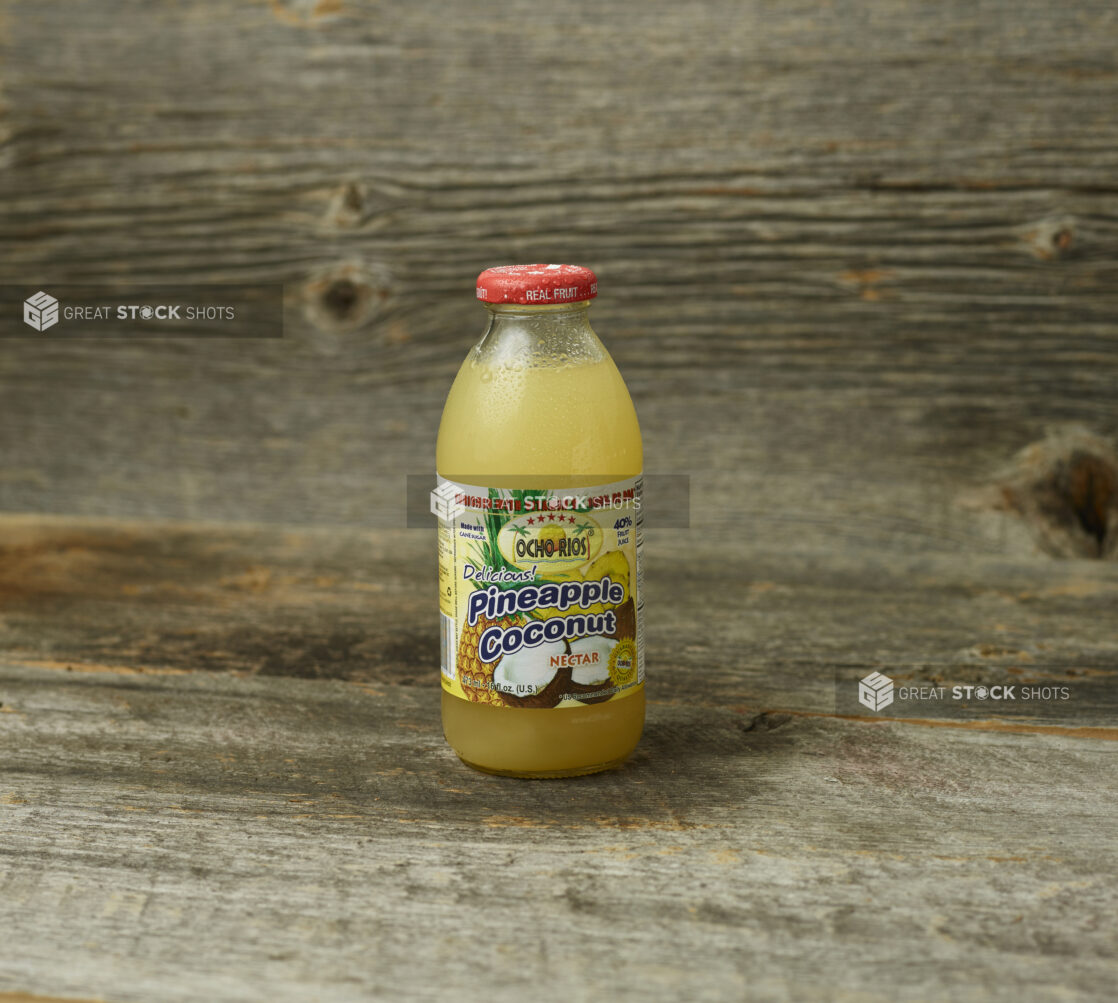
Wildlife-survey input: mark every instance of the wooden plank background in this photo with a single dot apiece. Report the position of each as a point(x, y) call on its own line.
point(853, 257)
point(859, 264)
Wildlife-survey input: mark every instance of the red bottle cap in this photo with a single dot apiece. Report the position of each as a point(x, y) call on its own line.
point(537, 285)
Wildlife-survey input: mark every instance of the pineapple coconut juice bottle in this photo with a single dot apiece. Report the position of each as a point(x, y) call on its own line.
point(539, 463)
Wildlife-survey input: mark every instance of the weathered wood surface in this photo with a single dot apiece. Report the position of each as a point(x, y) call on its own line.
point(859, 267)
point(853, 257)
point(179, 837)
point(732, 625)
point(175, 834)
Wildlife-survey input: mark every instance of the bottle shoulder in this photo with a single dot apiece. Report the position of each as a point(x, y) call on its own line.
point(553, 422)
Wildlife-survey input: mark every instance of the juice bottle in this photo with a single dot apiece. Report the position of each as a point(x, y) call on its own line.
point(539, 497)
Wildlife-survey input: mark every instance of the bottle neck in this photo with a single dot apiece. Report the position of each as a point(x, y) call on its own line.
point(555, 334)
point(538, 309)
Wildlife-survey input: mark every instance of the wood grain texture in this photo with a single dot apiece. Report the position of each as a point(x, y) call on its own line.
point(853, 257)
point(243, 834)
point(199, 835)
point(733, 625)
point(858, 265)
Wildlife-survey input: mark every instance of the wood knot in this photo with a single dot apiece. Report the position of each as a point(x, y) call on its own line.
point(1088, 485)
point(349, 206)
point(1050, 238)
point(346, 297)
point(1065, 487)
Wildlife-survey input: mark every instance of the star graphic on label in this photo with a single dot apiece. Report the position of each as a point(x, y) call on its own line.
point(530, 521)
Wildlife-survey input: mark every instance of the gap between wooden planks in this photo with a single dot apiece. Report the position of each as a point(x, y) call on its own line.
point(988, 724)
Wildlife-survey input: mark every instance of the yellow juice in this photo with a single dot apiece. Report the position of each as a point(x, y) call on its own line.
point(539, 403)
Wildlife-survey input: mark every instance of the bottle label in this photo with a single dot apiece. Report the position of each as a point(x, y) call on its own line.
point(540, 593)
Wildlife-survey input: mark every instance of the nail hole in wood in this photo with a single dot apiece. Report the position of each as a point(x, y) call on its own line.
point(340, 299)
point(1049, 238)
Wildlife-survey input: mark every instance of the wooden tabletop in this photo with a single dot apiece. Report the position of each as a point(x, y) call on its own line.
point(224, 778)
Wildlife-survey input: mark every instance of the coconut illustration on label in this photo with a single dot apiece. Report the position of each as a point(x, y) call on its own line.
point(534, 677)
point(554, 671)
point(590, 678)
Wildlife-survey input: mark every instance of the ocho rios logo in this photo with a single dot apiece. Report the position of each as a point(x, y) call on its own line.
point(555, 541)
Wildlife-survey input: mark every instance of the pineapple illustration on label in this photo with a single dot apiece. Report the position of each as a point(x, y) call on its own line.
point(539, 592)
point(476, 676)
